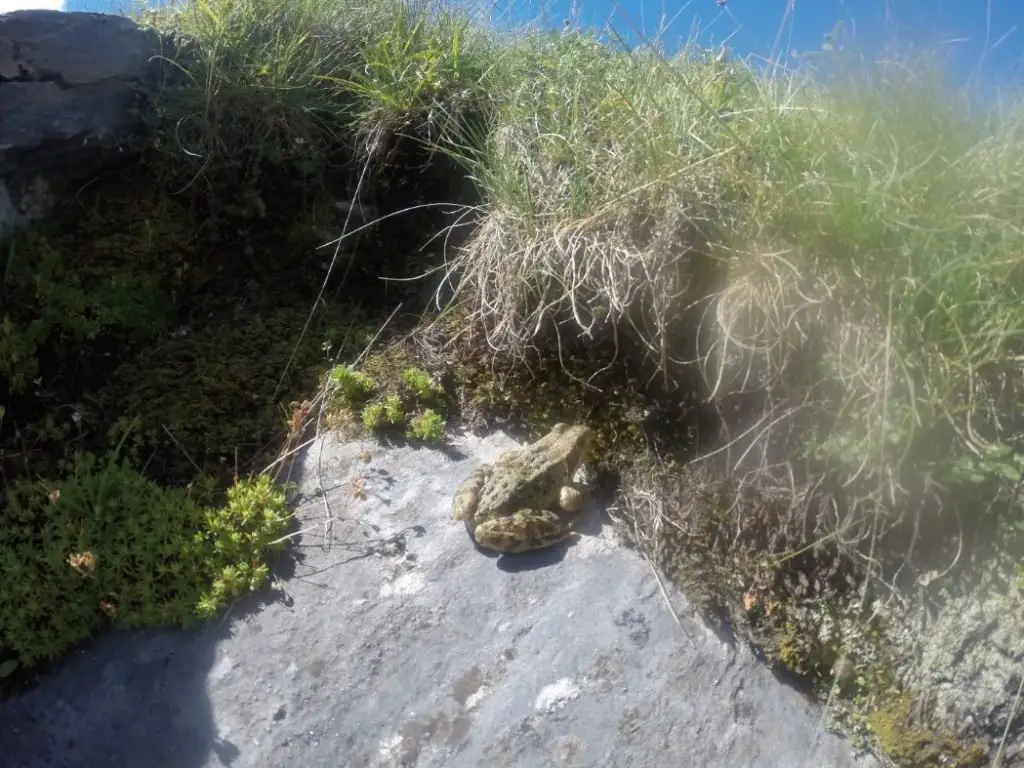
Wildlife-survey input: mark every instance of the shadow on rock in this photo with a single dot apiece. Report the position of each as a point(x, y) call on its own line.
point(129, 699)
point(132, 698)
point(531, 561)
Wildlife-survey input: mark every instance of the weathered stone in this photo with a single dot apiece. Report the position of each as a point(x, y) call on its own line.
point(71, 89)
point(403, 645)
point(969, 656)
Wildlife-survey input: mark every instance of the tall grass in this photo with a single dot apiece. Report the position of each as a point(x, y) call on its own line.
point(848, 246)
point(291, 76)
point(855, 244)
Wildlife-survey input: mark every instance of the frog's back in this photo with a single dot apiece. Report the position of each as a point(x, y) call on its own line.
point(522, 483)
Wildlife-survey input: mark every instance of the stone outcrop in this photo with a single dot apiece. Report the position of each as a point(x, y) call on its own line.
point(72, 90)
point(397, 643)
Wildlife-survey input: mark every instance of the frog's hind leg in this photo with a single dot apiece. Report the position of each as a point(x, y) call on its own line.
point(467, 497)
point(523, 531)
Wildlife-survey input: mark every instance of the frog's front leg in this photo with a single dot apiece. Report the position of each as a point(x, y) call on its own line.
point(467, 496)
point(571, 496)
point(523, 531)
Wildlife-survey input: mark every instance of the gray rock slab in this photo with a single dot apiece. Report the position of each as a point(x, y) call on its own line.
point(968, 654)
point(71, 77)
point(402, 644)
point(73, 89)
point(76, 48)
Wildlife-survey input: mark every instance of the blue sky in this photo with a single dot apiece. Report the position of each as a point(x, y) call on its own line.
point(977, 36)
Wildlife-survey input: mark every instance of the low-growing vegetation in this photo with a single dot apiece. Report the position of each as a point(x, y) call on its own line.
point(104, 545)
point(398, 404)
point(788, 302)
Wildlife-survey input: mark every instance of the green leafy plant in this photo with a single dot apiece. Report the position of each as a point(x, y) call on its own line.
point(420, 384)
point(49, 302)
point(999, 462)
point(105, 545)
point(427, 426)
point(235, 538)
point(388, 412)
point(351, 386)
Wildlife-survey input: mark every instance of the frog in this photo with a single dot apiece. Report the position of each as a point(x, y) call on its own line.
point(518, 503)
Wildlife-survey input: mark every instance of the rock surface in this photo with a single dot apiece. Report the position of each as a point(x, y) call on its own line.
point(970, 658)
point(69, 87)
point(402, 644)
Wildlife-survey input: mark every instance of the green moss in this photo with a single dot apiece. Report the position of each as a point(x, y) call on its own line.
point(383, 414)
point(420, 385)
point(915, 746)
point(427, 426)
point(60, 298)
point(212, 398)
point(800, 647)
point(348, 387)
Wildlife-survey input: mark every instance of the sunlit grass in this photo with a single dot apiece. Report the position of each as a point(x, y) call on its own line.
point(847, 244)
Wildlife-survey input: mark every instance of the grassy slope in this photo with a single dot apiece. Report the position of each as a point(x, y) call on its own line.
point(844, 250)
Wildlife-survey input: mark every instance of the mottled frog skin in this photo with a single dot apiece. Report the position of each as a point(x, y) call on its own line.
point(518, 503)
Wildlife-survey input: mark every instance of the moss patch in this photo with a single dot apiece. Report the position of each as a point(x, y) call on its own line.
point(387, 395)
point(913, 745)
point(212, 400)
